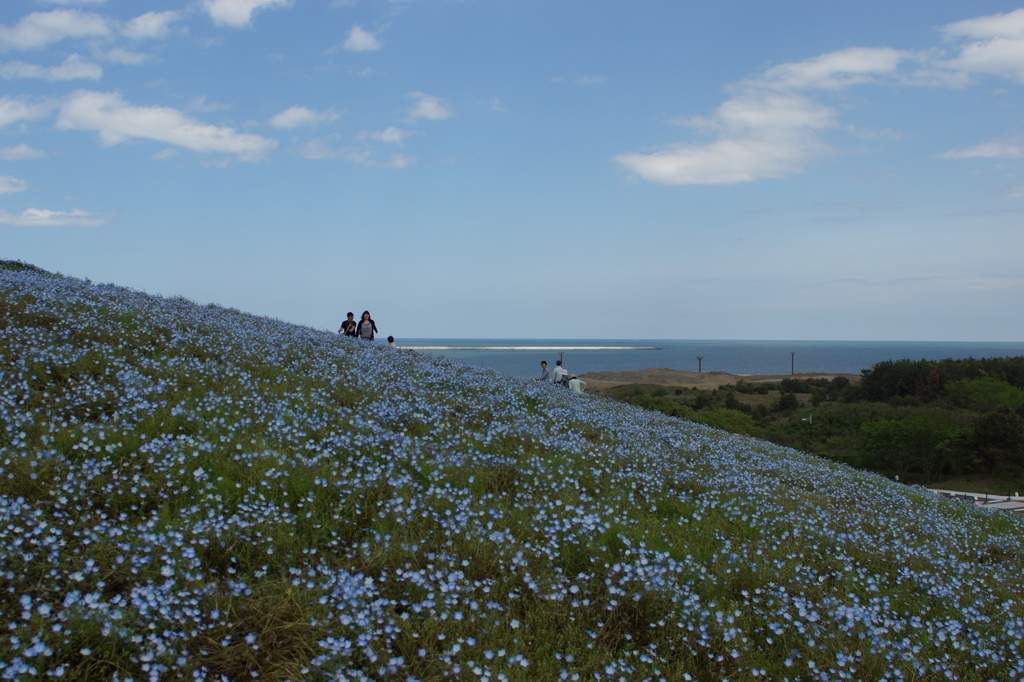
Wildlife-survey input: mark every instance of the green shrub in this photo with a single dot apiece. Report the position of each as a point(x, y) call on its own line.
point(983, 394)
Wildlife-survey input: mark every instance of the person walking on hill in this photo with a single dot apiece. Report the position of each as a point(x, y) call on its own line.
point(544, 374)
point(348, 327)
point(366, 327)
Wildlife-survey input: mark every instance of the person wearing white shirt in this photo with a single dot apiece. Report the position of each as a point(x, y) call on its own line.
point(559, 373)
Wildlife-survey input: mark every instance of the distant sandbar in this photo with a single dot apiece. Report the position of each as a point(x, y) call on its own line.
point(710, 380)
point(532, 347)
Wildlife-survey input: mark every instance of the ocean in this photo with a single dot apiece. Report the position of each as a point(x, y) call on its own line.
point(521, 357)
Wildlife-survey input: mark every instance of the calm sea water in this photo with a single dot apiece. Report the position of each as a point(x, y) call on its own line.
point(521, 357)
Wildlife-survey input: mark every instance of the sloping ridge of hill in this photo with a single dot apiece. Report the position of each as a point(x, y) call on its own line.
point(191, 492)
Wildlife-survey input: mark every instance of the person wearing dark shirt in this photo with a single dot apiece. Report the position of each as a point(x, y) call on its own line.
point(348, 327)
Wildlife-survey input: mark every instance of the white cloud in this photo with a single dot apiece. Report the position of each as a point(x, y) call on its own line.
point(428, 107)
point(74, 67)
point(119, 55)
point(14, 109)
point(295, 117)
point(758, 111)
point(20, 153)
point(833, 70)
point(996, 44)
point(76, 3)
point(361, 40)
point(318, 149)
point(395, 161)
point(391, 135)
point(150, 25)
point(995, 149)
point(9, 184)
point(40, 29)
point(494, 104)
point(200, 104)
point(238, 13)
point(727, 161)
point(37, 217)
point(1009, 25)
point(766, 130)
point(760, 135)
point(117, 121)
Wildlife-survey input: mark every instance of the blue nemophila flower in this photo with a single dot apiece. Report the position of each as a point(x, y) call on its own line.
point(183, 487)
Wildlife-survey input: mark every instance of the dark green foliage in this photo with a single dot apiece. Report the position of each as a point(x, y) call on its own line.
point(998, 440)
point(925, 379)
point(917, 447)
point(983, 394)
point(759, 388)
point(901, 379)
point(787, 402)
point(730, 420)
point(839, 387)
point(733, 403)
point(838, 418)
point(795, 385)
point(19, 266)
point(922, 421)
point(703, 400)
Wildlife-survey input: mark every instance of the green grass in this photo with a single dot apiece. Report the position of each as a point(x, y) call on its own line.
point(191, 492)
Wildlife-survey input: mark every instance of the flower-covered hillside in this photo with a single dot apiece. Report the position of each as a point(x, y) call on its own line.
point(190, 492)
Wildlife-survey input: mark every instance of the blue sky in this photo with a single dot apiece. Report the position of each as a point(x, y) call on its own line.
point(654, 169)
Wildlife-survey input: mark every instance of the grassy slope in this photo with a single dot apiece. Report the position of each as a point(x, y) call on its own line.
point(190, 491)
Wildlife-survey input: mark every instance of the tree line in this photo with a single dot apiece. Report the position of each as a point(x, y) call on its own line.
point(922, 421)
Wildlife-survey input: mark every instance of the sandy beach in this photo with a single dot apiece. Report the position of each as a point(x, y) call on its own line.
point(597, 381)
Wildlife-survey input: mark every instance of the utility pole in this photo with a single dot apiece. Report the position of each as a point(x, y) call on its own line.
point(810, 430)
point(699, 358)
point(791, 354)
